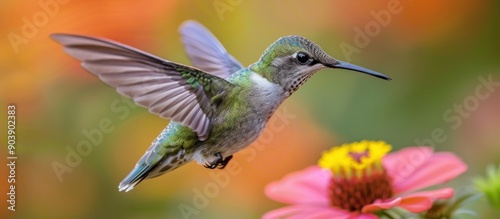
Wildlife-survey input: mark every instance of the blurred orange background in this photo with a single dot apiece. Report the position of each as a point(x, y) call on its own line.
point(435, 51)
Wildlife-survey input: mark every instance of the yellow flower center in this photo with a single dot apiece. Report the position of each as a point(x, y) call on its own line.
point(358, 175)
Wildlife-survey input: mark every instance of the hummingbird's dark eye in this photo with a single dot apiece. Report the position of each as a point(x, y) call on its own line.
point(302, 58)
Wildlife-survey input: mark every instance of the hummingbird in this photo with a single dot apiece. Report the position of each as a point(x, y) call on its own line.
point(216, 108)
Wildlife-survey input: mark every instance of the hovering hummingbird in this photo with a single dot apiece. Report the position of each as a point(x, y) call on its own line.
point(215, 109)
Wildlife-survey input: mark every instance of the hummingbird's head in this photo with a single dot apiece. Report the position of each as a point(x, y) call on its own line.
point(291, 60)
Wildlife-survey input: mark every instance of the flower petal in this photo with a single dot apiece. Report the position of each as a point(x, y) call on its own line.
point(401, 164)
point(381, 205)
point(308, 186)
point(363, 216)
point(444, 193)
point(416, 204)
point(416, 167)
point(412, 204)
point(422, 201)
point(306, 211)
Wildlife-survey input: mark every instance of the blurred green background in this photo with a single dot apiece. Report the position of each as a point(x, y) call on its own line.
point(439, 54)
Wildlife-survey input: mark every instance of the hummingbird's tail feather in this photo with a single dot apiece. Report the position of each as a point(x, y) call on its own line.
point(135, 176)
point(145, 168)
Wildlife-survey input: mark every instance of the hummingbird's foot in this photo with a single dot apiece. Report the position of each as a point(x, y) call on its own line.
point(219, 162)
point(214, 164)
point(225, 161)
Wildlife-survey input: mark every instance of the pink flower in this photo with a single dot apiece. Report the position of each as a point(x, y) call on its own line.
point(365, 182)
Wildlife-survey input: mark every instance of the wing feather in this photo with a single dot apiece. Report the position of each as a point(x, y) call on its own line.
point(167, 89)
point(206, 52)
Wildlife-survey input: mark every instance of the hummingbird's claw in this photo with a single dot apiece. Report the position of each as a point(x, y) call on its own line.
point(225, 161)
point(222, 162)
point(210, 165)
point(214, 164)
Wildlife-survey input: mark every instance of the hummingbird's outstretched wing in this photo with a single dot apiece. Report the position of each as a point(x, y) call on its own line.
point(167, 89)
point(206, 52)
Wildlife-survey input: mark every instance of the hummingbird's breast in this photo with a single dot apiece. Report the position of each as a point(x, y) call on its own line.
point(242, 117)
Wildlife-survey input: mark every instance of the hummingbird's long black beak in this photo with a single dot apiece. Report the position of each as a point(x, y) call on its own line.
point(349, 66)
